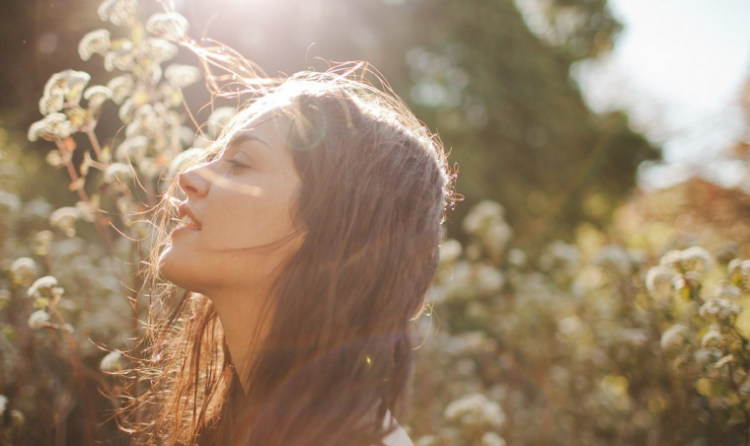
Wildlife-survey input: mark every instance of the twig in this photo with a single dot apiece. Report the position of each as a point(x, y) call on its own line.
point(76, 363)
point(95, 144)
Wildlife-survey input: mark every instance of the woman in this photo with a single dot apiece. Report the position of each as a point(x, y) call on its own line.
point(308, 238)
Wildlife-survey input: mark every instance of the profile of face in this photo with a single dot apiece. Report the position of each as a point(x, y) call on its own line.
point(241, 208)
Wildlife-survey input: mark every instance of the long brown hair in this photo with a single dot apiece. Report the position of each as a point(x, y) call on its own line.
point(338, 355)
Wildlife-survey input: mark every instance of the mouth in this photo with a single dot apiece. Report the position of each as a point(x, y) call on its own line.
point(187, 220)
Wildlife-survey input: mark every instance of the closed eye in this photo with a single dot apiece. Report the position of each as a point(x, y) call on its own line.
point(237, 165)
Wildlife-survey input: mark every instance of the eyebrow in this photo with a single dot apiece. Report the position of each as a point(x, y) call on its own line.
point(247, 136)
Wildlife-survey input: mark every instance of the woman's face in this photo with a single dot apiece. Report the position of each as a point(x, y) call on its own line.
point(240, 205)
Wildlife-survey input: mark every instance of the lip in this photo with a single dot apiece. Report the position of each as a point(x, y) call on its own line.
point(183, 211)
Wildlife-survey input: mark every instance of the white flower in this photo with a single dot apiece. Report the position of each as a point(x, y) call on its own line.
point(127, 111)
point(54, 158)
point(23, 270)
point(560, 256)
point(671, 259)
point(37, 208)
point(182, 76)
point(485, 221)
point(118, 173)
point(52, 126)
point(705, 356)
point(87, 210)
point(729, 292)
point(64, 86)
point(468, 343)
point(696, 259)
point(460, 279)
point(132, 149)
point(517, 257)
point(111, 362)
point(169, 25)
point(734, 266)
point(475, 410)
point(96, 95)
point(3, 404)
point(9, 201)
point(121, 59)
point(614, 258)
point(218, 119)
point(633, 336)
point(153, 73)
point(745, 270)
point(42, 286)
point(38, 320)
point(569, 325)
point(149, 118)
point(740, 268)
point(492, 439)
point(480, 213)
point(17, 418)
point(186, 135)
point(719, 309)
point(450, 250)
point(712, 338)
point(659, 281)
point(121, 87)
point(65, 219)
point(496, 237)
point(674, 337)
point(119, 12)
point(158, 50)
point(95, 42)
point(51, 101)
point(489, 279)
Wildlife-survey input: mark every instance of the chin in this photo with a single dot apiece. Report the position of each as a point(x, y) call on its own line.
point(170, 269)
point(182, 270)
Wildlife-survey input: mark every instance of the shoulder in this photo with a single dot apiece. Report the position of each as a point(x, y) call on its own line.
point(398, 438)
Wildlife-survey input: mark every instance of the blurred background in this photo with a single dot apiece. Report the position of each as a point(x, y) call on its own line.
point(591, 122)
point(492, 77)
point(548, 106)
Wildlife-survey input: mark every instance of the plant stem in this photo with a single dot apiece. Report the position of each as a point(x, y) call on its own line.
point(95, 144)
point(88, 410)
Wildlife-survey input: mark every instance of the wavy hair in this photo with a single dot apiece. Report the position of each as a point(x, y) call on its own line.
point(338, 355)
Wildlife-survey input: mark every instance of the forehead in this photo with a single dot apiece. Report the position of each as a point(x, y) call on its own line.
point(269, 126)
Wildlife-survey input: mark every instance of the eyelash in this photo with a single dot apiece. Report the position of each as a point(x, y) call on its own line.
point(233, 164)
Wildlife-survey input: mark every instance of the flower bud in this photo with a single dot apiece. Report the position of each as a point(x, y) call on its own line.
point(38, 320)
point(674, 338)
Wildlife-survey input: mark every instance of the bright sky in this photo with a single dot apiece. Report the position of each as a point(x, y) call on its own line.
point(678, 67)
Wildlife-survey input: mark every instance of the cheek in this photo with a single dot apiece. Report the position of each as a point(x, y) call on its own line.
point(243, 222)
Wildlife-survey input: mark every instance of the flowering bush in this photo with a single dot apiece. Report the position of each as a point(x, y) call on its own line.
point(69, 296)
point(590, 344)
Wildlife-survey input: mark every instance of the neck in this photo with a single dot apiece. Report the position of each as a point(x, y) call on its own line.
point(245, 317)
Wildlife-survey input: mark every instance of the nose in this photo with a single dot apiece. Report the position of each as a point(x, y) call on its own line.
point(194, 181)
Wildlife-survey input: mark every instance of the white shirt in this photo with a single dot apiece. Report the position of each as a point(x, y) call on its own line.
point(397, 437)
